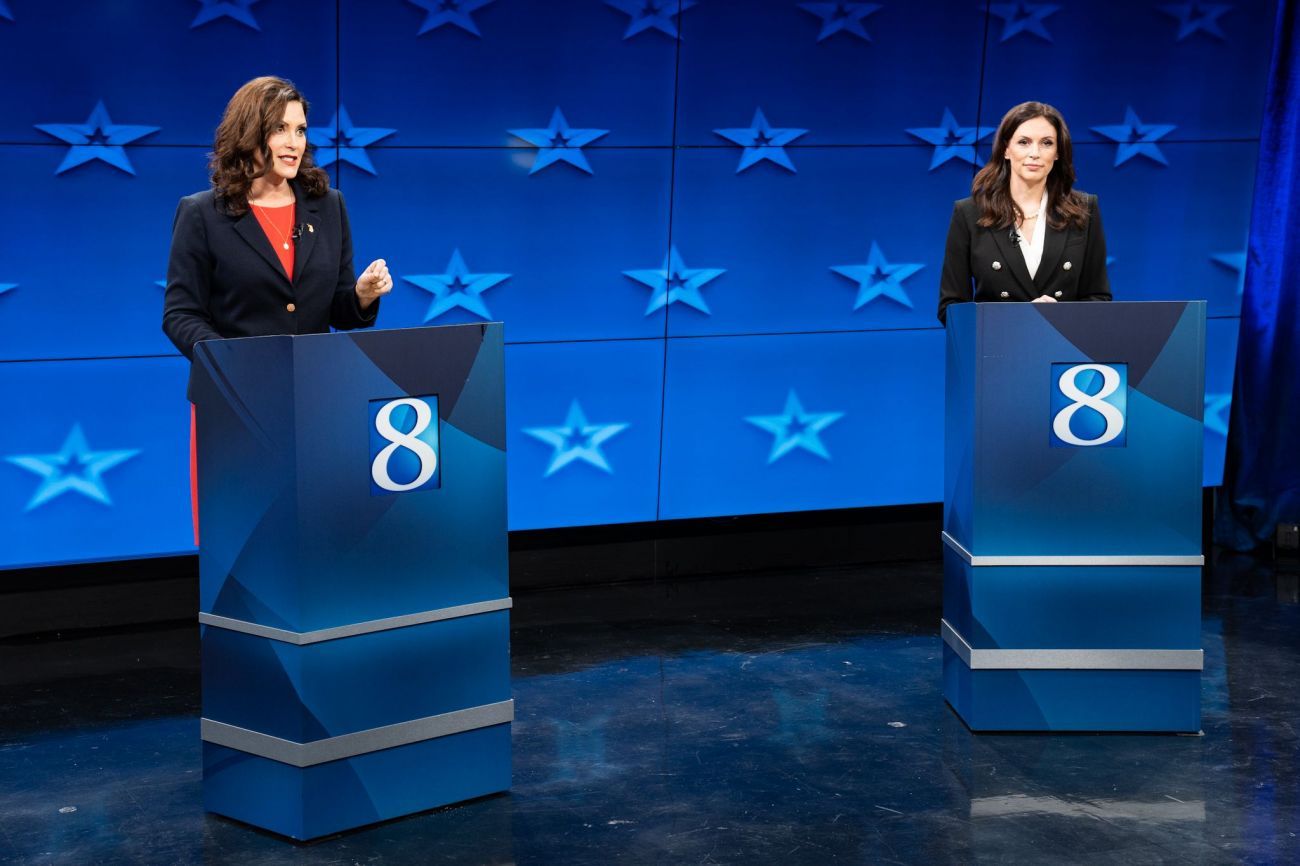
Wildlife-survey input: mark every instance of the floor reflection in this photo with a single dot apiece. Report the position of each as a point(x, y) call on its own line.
point(792, 718)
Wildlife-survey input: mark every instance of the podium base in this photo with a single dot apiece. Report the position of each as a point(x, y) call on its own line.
point(1073, 700)
point(310, 802)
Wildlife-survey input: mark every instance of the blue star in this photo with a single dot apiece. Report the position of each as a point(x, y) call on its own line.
point(6, 287)
point(1216, 408)
point(841, 17)
point(1197, 16)
point(75, 467)
point(646, 14)
point(4, 11)
point(559, 143)
point(576, 439)
point(97, 138)
point(676, 282)
point(796, 429)
point(1234, 262)
point(1136, 138)
point(351, 141)
point(235, 9)
point(1022, 17)
point(456, 288)
point(952, 141)
point(878, 278)
point(455, 12)
point(761, 141)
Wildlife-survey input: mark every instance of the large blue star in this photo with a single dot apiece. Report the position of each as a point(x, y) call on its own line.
point(235, 9)
point(1136, 138)
point(1022, 17)
point(75, 467)
point(659, 15)
point(841, 17)
point(346, 142)
point(878, 278)
point(1235, 262)
point(454, 12)
point(576, 439)
point(952, 141)
point(559, 142)
point(795, 428)
point(675, 282)
point(4, 11)
point(1197, 16)
point(456, 288)
point(1216, 408)
point(761, 140)
point(97, 138)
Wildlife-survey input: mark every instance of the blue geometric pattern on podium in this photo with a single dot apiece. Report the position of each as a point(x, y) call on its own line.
point(1072, 574)
point(355, 647)
point(582, 144)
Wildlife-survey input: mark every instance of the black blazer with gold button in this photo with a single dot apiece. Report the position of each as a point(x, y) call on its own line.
point(224, 279)
point(983, 264)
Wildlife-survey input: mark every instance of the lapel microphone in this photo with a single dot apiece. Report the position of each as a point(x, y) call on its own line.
point(298, 230)
point(1014, 236)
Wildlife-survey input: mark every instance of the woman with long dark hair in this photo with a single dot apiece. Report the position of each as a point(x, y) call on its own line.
point(1025, 233)
point(267, 249)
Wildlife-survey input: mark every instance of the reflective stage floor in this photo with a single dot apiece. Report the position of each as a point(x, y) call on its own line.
point(778, 718)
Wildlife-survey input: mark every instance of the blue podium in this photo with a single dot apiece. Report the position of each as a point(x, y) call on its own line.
point(354, 598)
point(1072, 516)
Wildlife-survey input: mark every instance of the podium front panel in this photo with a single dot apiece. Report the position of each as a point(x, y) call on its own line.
point(1072, 516)
point(354, 576)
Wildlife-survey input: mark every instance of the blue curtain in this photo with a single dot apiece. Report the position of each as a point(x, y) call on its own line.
point(1262, 473)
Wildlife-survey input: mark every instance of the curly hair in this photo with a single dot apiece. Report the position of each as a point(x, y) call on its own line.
point(991, 188)
point(240, 154)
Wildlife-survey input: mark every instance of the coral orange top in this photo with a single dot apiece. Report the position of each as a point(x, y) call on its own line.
point(277, 222)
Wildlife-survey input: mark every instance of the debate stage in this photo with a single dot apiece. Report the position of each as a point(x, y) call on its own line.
point(788, 716)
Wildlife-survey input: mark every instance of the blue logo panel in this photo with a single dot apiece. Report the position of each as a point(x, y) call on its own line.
point(1089, 405)
point(404, 453)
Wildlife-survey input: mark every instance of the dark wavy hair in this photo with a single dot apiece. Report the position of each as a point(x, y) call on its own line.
point(991, 188)
point(251, 116)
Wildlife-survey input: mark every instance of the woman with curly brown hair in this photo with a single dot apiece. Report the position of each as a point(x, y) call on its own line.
point(267, 250)
point(1025, 233)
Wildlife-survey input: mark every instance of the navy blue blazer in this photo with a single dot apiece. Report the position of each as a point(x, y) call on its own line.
point(984, 264)
point(224, 279)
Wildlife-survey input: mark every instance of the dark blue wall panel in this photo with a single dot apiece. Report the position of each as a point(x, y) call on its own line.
point(682, 219)
point(93, 460)
point(583, 432)
point(787, 422)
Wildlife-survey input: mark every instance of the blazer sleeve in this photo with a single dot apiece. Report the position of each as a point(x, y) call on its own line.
point(955, 279)
point(186, 319)
point(345, 310)
point(1094, 282)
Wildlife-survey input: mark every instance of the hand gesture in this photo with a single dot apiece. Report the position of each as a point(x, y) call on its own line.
point(374, 282)
point(1044, 299)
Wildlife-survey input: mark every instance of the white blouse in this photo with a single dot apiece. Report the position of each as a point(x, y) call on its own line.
point(1033, 250)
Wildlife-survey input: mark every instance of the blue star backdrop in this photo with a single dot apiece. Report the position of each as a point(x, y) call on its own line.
point(713, 228)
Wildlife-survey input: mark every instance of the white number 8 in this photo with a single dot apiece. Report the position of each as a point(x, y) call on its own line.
point(1096, 402)
point(398, 439)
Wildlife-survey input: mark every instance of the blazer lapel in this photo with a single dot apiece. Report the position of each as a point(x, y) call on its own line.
point(307, 224)
point(1053, 246)
point(1014, 259)
point(248, 228)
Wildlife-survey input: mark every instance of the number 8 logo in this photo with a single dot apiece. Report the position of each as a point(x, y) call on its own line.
point(1114, 418)
point(379, 472)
